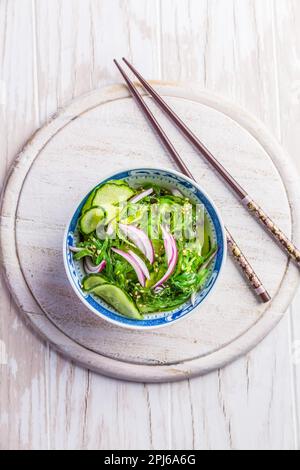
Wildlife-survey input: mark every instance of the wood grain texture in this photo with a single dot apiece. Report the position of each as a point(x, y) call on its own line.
point(287, 17)
point(23, 379)
point(238, 59)
point(227, 46)
point(64, 71)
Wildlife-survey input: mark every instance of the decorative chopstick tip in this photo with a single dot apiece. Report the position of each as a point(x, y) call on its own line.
point(263, 294)
point(265, 297)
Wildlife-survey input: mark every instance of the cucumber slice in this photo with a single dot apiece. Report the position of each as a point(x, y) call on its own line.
point(207, 236)
point(111, 212)
point(93, 280)
point(114, 296)
point(117, 182)
point(89, 202)
point(90, 220)
point(112, 193)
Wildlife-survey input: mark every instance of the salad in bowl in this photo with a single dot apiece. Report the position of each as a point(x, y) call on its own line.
point(144, 248)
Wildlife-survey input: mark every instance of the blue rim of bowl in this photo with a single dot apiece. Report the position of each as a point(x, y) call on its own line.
point(182, 311)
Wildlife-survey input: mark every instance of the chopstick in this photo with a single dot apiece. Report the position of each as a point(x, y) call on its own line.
point(254, 209)
point(236, 252)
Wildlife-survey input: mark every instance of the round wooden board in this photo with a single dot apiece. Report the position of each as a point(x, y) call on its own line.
point(104, 132)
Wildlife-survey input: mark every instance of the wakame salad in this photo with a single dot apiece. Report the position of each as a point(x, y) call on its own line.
point(144, 249)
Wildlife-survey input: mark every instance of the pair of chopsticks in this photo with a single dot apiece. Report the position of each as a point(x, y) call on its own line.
point(243, 196)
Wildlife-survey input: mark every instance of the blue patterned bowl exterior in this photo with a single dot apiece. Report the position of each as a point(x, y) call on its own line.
point(166, 179)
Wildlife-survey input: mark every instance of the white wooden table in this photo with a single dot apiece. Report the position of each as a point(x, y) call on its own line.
point(52, 51)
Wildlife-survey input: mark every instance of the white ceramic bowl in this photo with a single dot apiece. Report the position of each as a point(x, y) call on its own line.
point(168, 179)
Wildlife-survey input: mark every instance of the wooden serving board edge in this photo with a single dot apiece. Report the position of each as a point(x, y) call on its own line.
point(49, 332)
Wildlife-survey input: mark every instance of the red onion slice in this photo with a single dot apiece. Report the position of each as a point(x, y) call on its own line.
point(140, 239)
point(133, 263)
point(209, 260)
point(193, 298)
point(102, 265)
point(142, 195)
point(141, 263)
point(176, 193)
point(110, 228)
point(157, 290)
point(172, 263)
point(90, 268)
